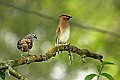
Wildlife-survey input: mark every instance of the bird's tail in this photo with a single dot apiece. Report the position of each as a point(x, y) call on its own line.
point(57, 41)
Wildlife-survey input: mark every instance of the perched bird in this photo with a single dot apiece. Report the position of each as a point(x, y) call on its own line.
point(26, 43)
point(63, 30)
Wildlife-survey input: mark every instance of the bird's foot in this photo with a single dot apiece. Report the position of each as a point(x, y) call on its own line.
point(29, 55)
point(58, 44)
point(62, 44)
point(67, 43)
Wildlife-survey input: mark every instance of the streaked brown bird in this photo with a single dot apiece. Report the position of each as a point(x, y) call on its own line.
point(26, 43)
point(63, 30)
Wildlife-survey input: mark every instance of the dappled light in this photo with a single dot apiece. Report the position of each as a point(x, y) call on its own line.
point(59, 71)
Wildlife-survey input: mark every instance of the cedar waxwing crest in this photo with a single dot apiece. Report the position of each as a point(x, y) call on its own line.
point(68, 17)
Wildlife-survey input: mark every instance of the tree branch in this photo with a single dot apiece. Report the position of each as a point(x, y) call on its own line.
point(16, 74)
point(7, 65)
point(52, 18)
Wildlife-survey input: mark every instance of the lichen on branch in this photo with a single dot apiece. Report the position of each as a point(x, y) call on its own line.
point(7, 65)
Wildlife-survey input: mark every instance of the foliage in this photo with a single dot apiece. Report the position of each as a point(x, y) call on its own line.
point(100, 73)
point(2, 75)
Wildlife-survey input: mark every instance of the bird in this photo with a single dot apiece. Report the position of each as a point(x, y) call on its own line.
point(63, 30)
point(26, 43)
point(63, 33)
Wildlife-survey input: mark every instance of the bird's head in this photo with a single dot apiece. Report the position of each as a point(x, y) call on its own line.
point(32, 36)
point(65, 17)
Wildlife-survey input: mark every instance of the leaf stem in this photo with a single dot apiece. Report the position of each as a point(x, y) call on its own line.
point(100, 72)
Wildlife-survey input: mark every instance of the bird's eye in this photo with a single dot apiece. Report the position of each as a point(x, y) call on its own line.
point(35, 36)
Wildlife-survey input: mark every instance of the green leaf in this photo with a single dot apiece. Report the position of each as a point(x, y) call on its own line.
point(98, 68)
point(2, 75)
point(106, 62)
point(108, 76)
point(90, 76)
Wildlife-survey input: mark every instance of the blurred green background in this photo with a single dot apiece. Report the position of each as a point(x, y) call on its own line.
point(90, 17)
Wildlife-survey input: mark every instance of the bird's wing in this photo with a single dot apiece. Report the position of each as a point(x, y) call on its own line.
point(22, 45)
point(29, 43)
point(57, 34)
point(19, 45)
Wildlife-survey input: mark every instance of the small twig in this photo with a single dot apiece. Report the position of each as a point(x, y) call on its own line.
point(16, 74)
point(83, 58)
point(70, 57)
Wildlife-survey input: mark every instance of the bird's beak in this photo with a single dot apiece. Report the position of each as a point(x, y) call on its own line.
point(35, 37)
point(68, 17)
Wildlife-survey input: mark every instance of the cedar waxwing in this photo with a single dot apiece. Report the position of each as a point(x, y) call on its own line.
point(26, 43)
point(63, 30)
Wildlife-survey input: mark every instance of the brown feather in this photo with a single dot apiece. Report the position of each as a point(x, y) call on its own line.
point(63, 29)
point(24, 44)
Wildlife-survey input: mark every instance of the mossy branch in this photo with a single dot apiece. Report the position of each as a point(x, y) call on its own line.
point(7, 65)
